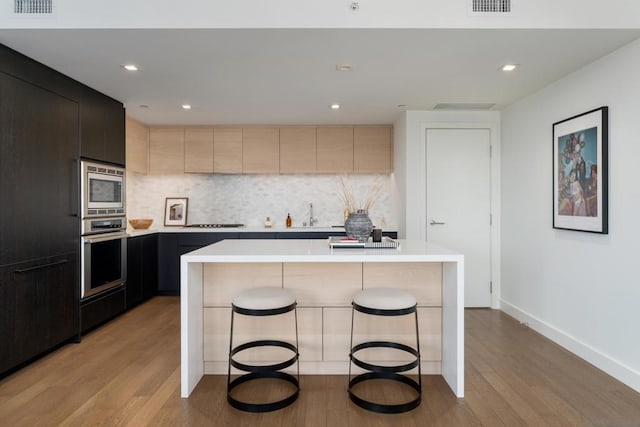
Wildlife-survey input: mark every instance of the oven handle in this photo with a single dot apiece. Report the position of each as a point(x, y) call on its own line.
point(104, 237)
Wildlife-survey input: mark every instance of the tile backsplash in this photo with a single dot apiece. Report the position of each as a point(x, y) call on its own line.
point(249, 199)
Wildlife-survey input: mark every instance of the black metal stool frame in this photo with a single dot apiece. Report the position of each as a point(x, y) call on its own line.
point(263, 371)
point(385, 372)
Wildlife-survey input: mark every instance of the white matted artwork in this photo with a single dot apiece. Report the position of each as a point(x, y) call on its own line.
point(580, 172)
point(175, 211)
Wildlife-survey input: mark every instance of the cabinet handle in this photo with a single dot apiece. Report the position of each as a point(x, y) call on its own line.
point(436, 223)
point(39, 267)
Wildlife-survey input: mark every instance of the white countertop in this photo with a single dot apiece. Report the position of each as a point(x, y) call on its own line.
point(317, 250)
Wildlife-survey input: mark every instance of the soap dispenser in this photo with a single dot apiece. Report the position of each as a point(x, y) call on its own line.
point(288, 221)
point(267, 222)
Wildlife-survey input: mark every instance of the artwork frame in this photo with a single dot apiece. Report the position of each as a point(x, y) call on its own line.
point(580, 172)
point(175, 211)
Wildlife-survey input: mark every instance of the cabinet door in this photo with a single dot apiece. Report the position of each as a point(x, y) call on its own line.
point(149, 266)
point(39, 148)
point(166, 150)
point(137, 145)
point(335, 149)
point(102, 127)
point(171, 246)
point(134, 271)
point(372, 149)
point(260, 150)
point(39, 307)
point(198, 150)
point(227, 150)
point(298, 150)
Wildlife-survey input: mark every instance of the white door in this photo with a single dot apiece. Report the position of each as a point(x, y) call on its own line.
point(458, 201)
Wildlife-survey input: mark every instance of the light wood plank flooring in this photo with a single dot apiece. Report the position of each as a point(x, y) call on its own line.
point(127, 373)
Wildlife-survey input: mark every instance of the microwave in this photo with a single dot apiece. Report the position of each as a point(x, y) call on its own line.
point(102, 189)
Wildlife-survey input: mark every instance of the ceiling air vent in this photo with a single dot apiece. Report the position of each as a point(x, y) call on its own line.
point(32, 7)
point(490, 6)
point(464, 106)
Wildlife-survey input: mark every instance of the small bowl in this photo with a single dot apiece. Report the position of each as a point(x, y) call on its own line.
point(140, 224)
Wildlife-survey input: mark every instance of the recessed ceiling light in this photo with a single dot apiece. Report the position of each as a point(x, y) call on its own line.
point(509, 67)
point(130, 67)
point(186, 106)
point(335, 106)
point(344, 67)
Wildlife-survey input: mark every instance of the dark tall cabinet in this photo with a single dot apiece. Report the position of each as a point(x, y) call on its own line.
point(39, 244)
point(47, 122)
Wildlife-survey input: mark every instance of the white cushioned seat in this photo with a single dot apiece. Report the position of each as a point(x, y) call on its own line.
point(384, 299)
point(267, 298)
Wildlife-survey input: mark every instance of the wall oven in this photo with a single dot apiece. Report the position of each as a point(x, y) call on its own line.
point(104, 256)
point(102, 187)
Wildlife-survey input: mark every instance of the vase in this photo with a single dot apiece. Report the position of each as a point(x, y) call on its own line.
point(358, 225)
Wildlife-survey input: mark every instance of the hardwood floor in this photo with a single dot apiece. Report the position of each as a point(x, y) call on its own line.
point(127, 373)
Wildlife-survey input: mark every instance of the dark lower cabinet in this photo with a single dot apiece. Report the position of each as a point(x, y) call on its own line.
point(102, 308)
point(171, 246)
point(142, 268)
point(38, 308)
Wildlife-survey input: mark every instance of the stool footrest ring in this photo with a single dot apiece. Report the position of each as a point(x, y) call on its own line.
point(385, 344)
point(263, 368)
point(263, 407)
point(381, 407)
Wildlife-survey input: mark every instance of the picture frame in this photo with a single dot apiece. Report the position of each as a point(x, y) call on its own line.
point(580, 172)
point(175, 211)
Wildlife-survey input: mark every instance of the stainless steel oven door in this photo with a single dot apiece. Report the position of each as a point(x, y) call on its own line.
point(104, 262)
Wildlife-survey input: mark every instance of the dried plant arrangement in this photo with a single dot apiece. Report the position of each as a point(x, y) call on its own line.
point(351, 202)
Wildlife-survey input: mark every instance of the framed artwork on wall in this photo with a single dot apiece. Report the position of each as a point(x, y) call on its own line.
point(175, 211)
point(580, 171)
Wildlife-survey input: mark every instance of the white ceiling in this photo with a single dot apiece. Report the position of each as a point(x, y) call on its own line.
point(279, 76)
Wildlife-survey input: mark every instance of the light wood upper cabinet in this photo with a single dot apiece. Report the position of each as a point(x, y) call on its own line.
point(298, 150)
point(227, 150)
point(334, 149)
point(137, 146)
point(166, 150)
point(372, 149)
point(198, 150)
point(260, 150)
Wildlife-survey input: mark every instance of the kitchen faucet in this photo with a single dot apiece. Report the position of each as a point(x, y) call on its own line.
point(312, 220)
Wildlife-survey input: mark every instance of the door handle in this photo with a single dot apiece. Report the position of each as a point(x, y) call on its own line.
point(436, 223)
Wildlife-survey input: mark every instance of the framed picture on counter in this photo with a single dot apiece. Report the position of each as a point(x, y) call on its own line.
point(580, 197)
point(175, 211)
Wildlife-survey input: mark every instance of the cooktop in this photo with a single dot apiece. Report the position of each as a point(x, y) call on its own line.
point(215, 225)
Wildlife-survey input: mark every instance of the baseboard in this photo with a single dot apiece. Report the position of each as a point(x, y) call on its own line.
point(619, 371)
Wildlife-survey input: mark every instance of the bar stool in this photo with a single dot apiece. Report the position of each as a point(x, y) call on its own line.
point(385, 302)
point(268, 301)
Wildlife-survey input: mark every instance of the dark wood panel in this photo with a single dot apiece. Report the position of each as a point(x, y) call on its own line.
point(102, 128)
point(38, 307)
point(38, 174)
point(102, 308)
point(142, 268)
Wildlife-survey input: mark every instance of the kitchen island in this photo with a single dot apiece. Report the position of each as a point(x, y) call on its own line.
point(324, 281)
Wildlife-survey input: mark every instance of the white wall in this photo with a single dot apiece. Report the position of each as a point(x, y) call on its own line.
point(248, 199)
point(325, 14)
point(580, 289)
